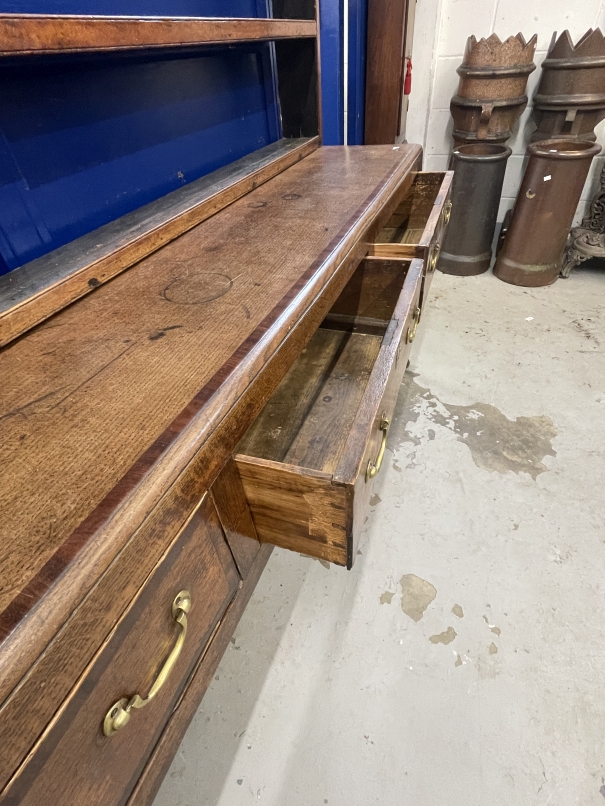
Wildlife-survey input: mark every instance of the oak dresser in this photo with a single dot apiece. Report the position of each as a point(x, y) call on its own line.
point(209, 392)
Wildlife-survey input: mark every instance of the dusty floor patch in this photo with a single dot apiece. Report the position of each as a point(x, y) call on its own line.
point(416, 595)
point(496, 443)
point(444, 637)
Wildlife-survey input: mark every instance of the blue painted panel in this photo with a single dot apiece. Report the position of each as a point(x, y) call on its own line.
point(84, 141)
point(148, 8)
point(332, 99)
point(358, 16)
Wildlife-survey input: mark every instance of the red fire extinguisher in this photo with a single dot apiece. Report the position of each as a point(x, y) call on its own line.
point(407, 82)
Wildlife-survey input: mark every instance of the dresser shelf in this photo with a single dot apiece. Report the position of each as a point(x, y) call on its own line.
point(30, 34)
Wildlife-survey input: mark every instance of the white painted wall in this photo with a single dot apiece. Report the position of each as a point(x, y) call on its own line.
point(442, 28)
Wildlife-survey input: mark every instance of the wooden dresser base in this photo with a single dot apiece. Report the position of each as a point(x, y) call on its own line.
point(165, 750)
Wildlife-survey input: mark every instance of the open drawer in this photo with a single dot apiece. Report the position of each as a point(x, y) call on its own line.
point(308, 461)
point(417, 227)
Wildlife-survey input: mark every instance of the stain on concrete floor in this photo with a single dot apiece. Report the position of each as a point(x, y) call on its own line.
point(416, 595)
point(458, 611)
point(445, 637)
point(496, 443)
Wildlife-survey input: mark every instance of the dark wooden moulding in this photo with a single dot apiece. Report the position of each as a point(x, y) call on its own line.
point(119, 424)
point(389, 31)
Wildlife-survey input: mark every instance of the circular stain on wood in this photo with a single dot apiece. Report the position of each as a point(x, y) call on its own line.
point(256, 204)
point(195, 289)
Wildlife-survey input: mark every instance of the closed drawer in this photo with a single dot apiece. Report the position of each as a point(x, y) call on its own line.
point(417, 227)
point(308, 462)
point(156, 642)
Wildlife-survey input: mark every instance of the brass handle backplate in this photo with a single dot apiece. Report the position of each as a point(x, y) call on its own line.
point(435, 257)
point(374, 466)
point(118, 715)
point(411, 331)
point(447, 212)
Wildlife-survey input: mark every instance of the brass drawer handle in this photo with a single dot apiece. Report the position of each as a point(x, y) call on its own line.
point(411, 331)
point(118, 715)
point(447, 212)
point(435, 257)
point(374, 467)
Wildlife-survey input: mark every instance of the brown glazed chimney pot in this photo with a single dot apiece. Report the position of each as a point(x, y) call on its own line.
point(570, 99)
point(491, 91)
point(548, 197)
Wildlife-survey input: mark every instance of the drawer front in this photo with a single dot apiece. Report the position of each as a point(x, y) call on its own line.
point(363, 464)
point(151, 651)
point(443, 204)
point(232, 508)
point(315, 510)
point(428, 216)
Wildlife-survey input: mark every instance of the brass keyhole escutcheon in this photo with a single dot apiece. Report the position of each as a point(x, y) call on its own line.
point(531, 194)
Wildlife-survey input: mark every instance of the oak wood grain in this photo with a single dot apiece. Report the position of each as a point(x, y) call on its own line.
point(296, 508)
point(372, 291)
point(322, 435)
point(24, 34)
point(79, 576)
point(110, 593)
point(148, 784)
point(73, 762)
point(37, 290)
point(417, 226)
point(305, 421)
point(364, 436)
point(414, 225)
point(90, 390)
point(232, 508)
point(291, 466)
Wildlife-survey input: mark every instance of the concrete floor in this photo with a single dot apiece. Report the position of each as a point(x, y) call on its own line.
point(461, 662)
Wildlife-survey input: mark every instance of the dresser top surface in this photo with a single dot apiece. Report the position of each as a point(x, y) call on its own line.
point(86, 393)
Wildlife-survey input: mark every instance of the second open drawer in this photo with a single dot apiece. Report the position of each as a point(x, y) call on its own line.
point(417, 227)
point(308, 461)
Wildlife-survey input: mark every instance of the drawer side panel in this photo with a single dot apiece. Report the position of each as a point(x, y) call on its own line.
point(297, 509)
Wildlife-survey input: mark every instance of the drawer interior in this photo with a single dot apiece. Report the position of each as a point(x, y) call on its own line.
point(408, 222)
point(308, 419)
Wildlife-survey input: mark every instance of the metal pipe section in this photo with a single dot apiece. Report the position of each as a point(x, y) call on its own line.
point(550, 191)
point(478, 176)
